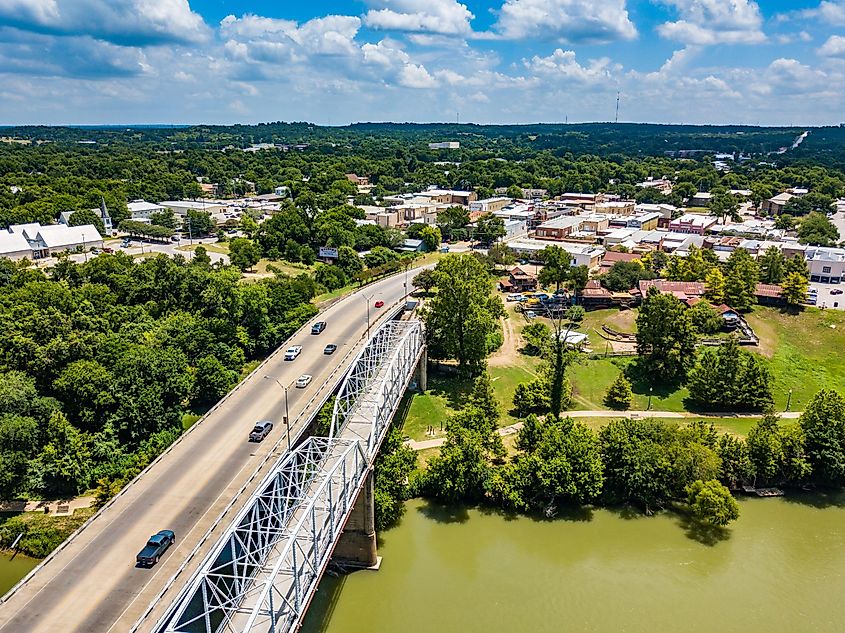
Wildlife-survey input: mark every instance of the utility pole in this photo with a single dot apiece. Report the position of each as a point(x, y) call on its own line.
point(287, 418)
point(617, 106)
point(84, 249)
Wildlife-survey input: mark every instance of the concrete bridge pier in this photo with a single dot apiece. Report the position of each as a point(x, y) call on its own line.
point(357, 544)
point(422, 370)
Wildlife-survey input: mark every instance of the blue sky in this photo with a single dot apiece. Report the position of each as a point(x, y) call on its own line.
point(492, 61)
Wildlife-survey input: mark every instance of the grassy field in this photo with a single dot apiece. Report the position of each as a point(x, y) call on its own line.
point(222, 248)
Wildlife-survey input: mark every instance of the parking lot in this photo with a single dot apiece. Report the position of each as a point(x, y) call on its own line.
point(826, 297)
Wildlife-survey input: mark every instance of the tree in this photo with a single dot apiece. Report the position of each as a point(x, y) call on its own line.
point(212, 381)
point(724, 206)
point(623, 276)
point(349, 261)
point(483, 398)
point(452, 219)
point(87, 216)
point(794, 288)
point(741, 278)
point(772, 263)
point(823, 424)
point(578, 278)
point(712, 503)
point(619, 395)
point(500, 254)
point(463, 314)
point(65, 461)
point(489, 228)
point(164, 218)
point(244, 253)
point(332, 277)
point(556, 266)
point(431, 237)
point(514, 192)
point(394, 464)
point(818, 230)
point(460, 471)
point(705, 319)
point(665, 336)
point(532, 396)
point(715, 286)
point(424, 280)
point(198, 223)
point(736, 462)
point(201, 258)
point(537, 337)
point(730, 378)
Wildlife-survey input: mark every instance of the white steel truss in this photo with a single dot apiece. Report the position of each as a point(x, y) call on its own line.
point(262, 573)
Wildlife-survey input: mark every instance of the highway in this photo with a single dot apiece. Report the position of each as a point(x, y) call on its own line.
point(92, 584)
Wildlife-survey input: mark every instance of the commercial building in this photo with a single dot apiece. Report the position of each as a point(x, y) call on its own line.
point(617, 207)
point(488, 205)
point(181, 207)
point(14, 246)
point(580, 254)
point(701, 199)
point(692, 223)
point(559, 228)
point(445, 145)
point(827, 265)
point(774, 206)
point(53, 239)
point(143, 210)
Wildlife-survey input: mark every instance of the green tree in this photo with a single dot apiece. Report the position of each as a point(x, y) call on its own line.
point(483, 398)
point(537, 337)
point(165, 218)
point(244, 253)
point(712, 503)
point(349, 261)
point(556, 266)
point(489, 228)
point(87, 216)
point(772, 263)
point(201, 258)
point(463, 314)
point(623, 276)
point(794, 288)
point(425, 280)
point(212, 381)
point(394, 465)
point(818, 230)
point(431, 237)
point(460, 472)
point(65, 460)
point(705, 319)
point(730, 378)
point(823, 424)
point(741, 278)
point(619, 395)
point(715, 286)
point(665, 336)
point(198, 223)
point(736, 462)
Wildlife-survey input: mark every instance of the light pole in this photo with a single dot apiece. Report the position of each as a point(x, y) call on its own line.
point(650, 389)
point(84, 249)
point(367, 299)
point(287, 419)
point(788, 399)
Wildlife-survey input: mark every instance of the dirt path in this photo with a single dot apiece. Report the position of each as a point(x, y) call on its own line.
point(508, 354)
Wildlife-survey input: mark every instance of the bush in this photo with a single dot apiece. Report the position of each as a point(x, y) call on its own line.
point(532, 396)
point(619, 395)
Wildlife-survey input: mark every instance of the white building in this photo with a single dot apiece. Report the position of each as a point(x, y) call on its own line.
point(581, 254)
point(445, 145)
point(57, 238)
point(143, 210)
point(827, 265)
point(181, 207)
point(14, 246)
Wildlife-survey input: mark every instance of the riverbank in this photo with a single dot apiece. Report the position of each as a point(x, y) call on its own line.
point(456, 569)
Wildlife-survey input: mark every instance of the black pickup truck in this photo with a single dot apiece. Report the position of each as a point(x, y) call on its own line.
point(155, 547)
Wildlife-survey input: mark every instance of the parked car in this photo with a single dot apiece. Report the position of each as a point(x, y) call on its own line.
point(292, 352)
point(836, 291)
point(379, 304)
point(514, 296)
point(108, 249)
point(174, 238)
point(303, 381)
point(260, 431)
point(155, 548)
point(318, 327)
point(331, 348)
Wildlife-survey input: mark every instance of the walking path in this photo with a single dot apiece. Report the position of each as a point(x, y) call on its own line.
point(421, 445)
point(58, 507)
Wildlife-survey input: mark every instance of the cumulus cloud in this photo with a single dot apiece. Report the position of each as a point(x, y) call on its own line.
point(705, 22)
point(123, 22)
point(570, 21)
point(444, 17)
point(562, 64)
point(833, 47)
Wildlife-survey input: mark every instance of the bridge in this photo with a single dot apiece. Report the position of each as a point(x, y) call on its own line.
point(316, 502)
point(196, 487)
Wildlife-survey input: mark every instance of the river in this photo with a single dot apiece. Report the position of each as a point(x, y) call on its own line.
point(11, 571)
point(779, 568)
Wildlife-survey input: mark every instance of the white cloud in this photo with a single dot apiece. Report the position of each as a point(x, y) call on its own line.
point(563, 65)
point(570, 21)
point(416, 76)
point(705, 22)
point(445, 17)
point(833, 47)
point(123, 22)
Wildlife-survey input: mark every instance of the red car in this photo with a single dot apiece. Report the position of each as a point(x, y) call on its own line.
point(379, 303)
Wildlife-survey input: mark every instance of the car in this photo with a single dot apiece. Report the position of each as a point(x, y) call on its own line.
point(303, 381)
point(95, 251)
point(514, 296)
point(292, 352)
point(379, 304)
point(155, 548)
point(836, 291)
point(318, 327)
point(331, 348)
point(107, 249)
point(260, 431)
point(174, 238)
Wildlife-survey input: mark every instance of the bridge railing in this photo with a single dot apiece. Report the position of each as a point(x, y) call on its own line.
point(263, 572)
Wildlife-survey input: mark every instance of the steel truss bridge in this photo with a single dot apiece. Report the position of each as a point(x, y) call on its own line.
point(263, 572)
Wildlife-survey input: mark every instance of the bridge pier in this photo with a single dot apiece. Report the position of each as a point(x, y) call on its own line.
point(422, 370)
point(357, 544)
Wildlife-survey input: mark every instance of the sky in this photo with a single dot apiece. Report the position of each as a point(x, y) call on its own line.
point(334, 62)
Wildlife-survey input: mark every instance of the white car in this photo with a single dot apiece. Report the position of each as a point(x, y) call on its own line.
point(292, 352)
point(303, 381)
point(514, 297)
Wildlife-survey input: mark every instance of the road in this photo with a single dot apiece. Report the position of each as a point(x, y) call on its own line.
point(92, 584)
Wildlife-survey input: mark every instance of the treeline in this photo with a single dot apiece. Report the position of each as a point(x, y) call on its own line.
point(650, 464)
point(99, 361)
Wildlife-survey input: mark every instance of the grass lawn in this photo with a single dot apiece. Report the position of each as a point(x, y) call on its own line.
point(804, 351)
point(222, 248)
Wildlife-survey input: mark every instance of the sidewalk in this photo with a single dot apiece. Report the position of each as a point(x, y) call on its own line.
point(58, 507)
point(421, 445)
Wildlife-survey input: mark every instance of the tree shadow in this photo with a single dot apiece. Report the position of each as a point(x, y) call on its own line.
point(701, 532)
point(644, 382)
point(447, 383)
point(442, 513)
point(820, 499)
point(627, 512)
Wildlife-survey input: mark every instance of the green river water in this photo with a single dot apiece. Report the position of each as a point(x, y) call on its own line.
point(780, 568)
point(11, 571)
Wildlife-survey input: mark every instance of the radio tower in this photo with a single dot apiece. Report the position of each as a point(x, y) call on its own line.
point(617, 108)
